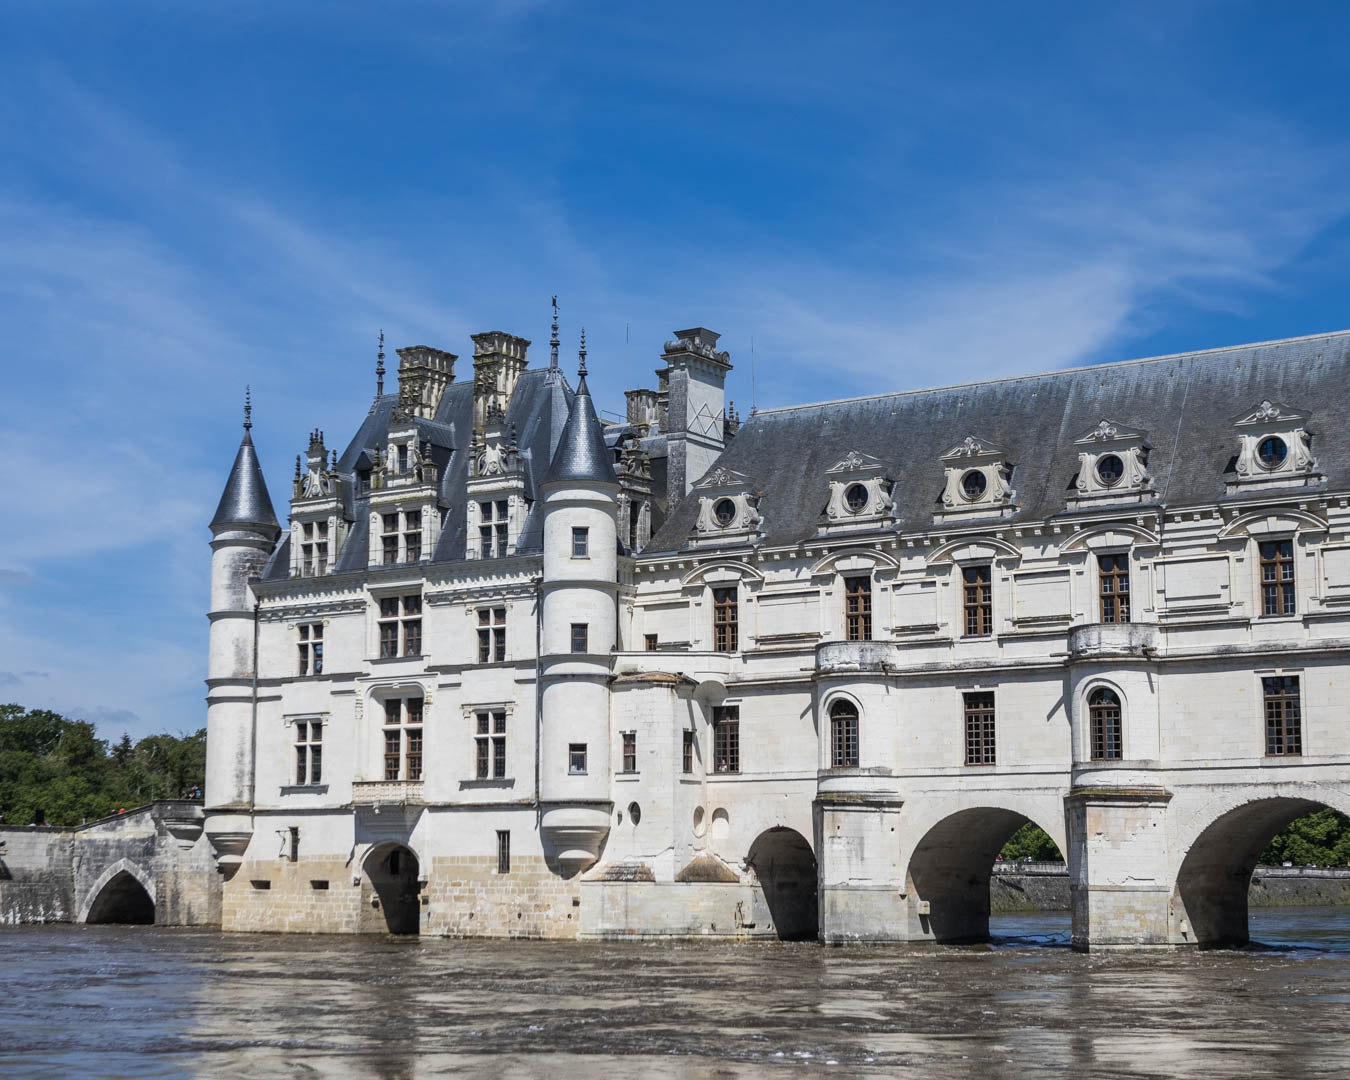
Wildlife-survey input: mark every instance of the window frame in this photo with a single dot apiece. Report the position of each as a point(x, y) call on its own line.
point(577, 759)
point(1284, 723)
point(309, 751)
point(310, 647)
point(581, 634)
point(581, 542)
point(977, 600)
point(490, 744)
point(398, 619)
point(858, 607)
point(503, 851)
point(1112, 599)
point(1278, 595)
point(1105, 731)
point(492, 634)
point(980, 722)
point(407, 756)
point(844, 723)
point(629, 753)
point(726, 725)
point(687, 752)
point(726, 603)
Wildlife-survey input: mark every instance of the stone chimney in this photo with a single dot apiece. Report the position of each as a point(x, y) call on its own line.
point(694, 382)
point(498, 361)
point(423, 375)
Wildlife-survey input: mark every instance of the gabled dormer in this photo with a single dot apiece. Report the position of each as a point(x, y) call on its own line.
point(1274, 449)
point(405, 521)
point(978, 481)
point(728, 508)
point(859, 494)
point(1112, 466)
point(318, 524)
point(497, 504)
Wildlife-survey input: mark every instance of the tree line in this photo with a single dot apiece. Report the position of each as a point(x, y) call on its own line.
point(56, 771)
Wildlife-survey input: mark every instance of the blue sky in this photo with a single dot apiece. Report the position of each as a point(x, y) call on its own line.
point(882, 196)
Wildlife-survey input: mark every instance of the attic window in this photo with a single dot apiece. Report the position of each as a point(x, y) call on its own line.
point(973, 484)
point(724, 510)
point(856, 498)
point(1272, 452)
point(1110, 469)
point(363, 478)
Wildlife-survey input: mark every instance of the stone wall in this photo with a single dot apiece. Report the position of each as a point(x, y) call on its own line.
point(309, 896)
point(466, 897)
point(615, 909)
point(36, 884)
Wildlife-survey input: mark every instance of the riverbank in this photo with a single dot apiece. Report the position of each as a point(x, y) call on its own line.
point(1026, 887)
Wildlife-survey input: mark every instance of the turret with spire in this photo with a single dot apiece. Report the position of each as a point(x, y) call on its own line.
point(244, 531)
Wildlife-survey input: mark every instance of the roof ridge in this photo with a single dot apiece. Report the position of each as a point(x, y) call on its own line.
point(1048, 374)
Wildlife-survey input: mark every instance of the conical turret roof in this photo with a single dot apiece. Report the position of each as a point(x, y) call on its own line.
point(582, 454)
point(245, 501)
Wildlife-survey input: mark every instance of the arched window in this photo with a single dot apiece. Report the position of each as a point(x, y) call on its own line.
point(843, 735)
point(1104, 718)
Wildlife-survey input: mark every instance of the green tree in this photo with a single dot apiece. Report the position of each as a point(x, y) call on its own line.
point(1032, 842)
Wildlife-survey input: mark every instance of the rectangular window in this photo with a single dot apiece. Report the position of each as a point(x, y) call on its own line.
point(580, 543)
point(491, 635)
point(1113, 578)
point(1277, 578)
point(579, 636)
point(688, 754)
point(843, 736)
point(309, 752)
point(403, 739)
point(400, 621)
point(503, 851)
point(727, 739)
point(630, 751)
point(978, 600)
point(650, 640)
point(576, 759)
point(1284, 718)
point(389, 538)
point(314, 548)
point(311, 648)
point(492, 528)
point(725, 620)
point(293, 845)
point(491, 745)
point(979, 729)
point(858, 608)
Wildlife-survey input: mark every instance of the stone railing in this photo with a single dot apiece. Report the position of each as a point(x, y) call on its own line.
point(843, 657)
point(1112, 640)
point(387, 793)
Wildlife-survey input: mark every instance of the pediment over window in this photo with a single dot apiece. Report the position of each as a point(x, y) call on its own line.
point(979, 479)
point(728, 506)
point(1274, 448)
point(859, 492)
point(1112, 465)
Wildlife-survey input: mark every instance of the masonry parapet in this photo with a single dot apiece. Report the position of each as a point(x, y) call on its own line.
point(854, 657)
point(388, 793)
point(1112, 641)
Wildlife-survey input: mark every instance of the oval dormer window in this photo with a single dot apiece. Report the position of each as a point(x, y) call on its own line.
point(1110, 469)
point(1272, 452)
point(973, 484)
point(724, 511)
point(856, 498)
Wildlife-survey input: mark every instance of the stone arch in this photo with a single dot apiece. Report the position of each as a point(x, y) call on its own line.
point(1116, 536)
point(1215, 861)
point(391, 902)
point(785, 865)
point(950, 866)
point(874, 557)
point(123, 893)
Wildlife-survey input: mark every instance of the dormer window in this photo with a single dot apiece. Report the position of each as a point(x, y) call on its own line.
point(492, 530)
point(860, 494)
point(856, 497)
point(314, 548)
point(1112, 466)
point(726, 506)
point(724, 510)
point(1110, 469)
point(978, 480)
point(1274, 448)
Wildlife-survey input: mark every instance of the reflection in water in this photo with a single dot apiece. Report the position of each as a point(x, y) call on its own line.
point(146, 1002)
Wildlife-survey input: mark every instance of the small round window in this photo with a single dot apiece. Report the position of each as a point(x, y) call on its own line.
point(634, 812)
point(856, 498)
point(1110, 469)
point(724, 510)
point(1272, 452)
point(973, 484)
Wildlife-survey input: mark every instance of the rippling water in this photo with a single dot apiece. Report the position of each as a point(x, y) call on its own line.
point(103, 1001)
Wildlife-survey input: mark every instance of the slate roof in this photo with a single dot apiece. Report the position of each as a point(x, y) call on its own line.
point(539, 410)
point(245, 501)
point(1186, 403)
point(582, 452)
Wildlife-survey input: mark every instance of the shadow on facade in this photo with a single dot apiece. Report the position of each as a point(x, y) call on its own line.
point(390, 900)
point(1212, 884)
point(122, 900)
point(950, 871)
point(786, 868)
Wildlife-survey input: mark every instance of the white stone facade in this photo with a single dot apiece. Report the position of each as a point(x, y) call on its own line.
point(905, 692)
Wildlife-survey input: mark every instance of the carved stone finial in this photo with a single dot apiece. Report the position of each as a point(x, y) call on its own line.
point(553, 341)
point(248, 407)
point(379, 368)
point(581, 355)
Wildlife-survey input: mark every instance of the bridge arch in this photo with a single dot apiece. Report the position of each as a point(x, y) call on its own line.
point(391, 902)
point(123, 893)
point(952, 861)
point(785, 865)
point(1218, 854)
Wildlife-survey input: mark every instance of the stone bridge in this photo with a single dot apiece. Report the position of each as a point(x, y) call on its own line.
point(148, 865)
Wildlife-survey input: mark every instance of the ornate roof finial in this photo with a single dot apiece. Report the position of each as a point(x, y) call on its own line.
point(581, 355)
point(553, 341)
point(379, 368)
point(248, 407)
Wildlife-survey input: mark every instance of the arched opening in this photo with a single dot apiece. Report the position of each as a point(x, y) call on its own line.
point(1210, 905)
point(122, 900)
point(390, 893)
point(951, 871)
point(786, 867)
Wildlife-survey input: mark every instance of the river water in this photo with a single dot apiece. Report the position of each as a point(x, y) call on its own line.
point(106, 1001)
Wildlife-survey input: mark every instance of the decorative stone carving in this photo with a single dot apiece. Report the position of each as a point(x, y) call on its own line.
point(1274, 449)
point(979, 477)
point(859, 493)
point(1112, 465)
point(728, 508)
